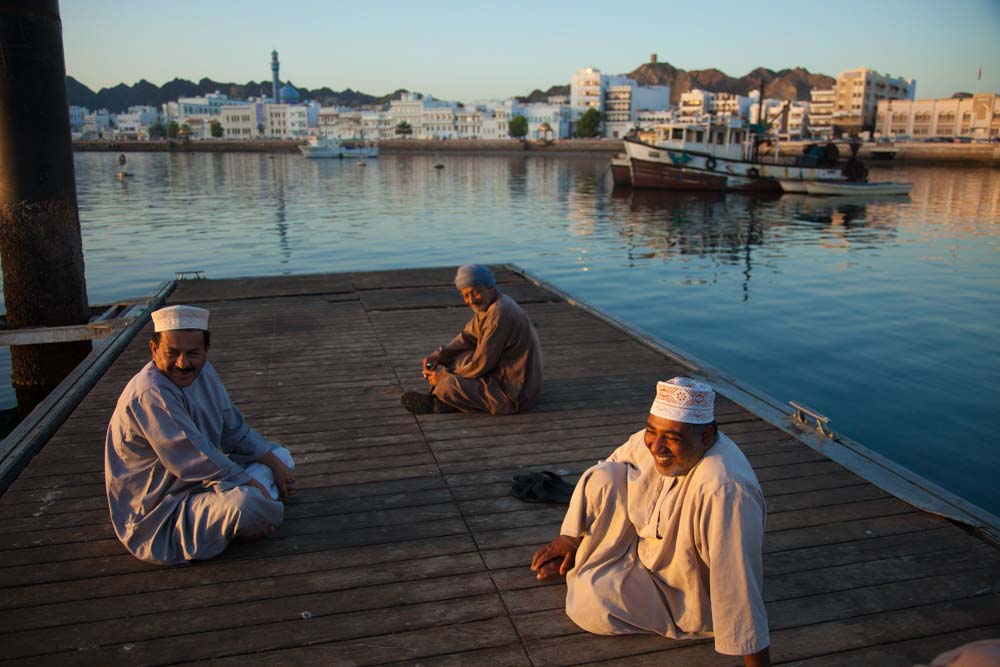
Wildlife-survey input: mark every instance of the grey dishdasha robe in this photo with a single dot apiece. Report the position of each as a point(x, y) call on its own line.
point(174, 469)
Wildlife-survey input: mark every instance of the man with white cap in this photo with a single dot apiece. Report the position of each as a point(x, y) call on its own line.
point(185, 474)
point(494, 365)
point(665, 536)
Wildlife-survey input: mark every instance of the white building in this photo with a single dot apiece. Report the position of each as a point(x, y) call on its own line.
point(545, 121)
point(243, 121)
point(789, 120)
point(286, 121)
point(135, 123)
point(821, 112)
point(200, 107)
point(976, 117)
point(95, 124)
point(619, 99)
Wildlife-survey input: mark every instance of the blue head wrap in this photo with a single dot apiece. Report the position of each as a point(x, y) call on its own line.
point(474, 274)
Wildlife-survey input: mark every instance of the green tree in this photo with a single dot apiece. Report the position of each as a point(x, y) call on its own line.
point(517, 127)
point(404, 128)
point(172, 129)
point(215, 129)
point(589, 124)
point(157, 131)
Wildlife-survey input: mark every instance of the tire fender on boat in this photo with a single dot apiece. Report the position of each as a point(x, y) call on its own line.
point(752, 172)
point(710, 164)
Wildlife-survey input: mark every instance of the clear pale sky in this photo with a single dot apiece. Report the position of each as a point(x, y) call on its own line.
point(470, 50)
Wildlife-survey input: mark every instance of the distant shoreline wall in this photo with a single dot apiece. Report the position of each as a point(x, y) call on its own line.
point(910, 153)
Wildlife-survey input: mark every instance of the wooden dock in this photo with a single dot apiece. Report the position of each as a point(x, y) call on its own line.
point(403, 545)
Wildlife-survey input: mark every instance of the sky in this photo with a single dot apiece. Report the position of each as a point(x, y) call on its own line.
point(470, 51)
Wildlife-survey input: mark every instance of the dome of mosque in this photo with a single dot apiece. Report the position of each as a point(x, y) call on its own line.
point(288, 94)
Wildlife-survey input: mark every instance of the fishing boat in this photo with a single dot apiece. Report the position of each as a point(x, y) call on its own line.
point(621, 170)
point(854, 189)
point(330, 147)
point(722, 154)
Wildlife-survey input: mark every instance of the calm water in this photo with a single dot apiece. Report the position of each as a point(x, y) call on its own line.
point(881, 314)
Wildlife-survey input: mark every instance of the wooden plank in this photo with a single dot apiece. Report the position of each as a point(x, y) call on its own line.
point(404, 543)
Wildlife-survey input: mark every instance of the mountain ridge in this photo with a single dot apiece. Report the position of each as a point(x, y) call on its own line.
point(786, 84)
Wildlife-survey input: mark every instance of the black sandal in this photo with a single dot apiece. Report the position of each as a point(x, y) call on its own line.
point(541, 487)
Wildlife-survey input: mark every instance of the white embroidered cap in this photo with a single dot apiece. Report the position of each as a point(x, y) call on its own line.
point(684, 400)
point(180, 317)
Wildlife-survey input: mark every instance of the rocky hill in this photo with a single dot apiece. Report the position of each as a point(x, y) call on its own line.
point(787, 84)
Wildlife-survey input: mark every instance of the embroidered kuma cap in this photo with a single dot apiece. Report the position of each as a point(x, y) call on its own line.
point(684, 400)
point(180, 317)
point(474, 274)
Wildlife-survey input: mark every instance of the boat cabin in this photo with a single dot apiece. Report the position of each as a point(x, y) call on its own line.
point(722, 138)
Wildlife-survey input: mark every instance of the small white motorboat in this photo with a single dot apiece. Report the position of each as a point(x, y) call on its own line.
point(854, 189)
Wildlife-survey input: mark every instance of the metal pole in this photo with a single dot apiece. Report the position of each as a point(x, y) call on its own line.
point(40, 244)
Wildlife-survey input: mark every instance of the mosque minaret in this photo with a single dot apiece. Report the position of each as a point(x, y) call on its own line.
point(275, 82)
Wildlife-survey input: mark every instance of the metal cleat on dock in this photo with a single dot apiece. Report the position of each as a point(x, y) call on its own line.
point(802, 413)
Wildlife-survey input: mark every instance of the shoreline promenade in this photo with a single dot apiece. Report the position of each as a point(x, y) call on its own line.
point(909, 153)
point(404, 545)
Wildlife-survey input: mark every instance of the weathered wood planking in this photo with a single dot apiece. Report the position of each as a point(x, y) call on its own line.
point(404, 545)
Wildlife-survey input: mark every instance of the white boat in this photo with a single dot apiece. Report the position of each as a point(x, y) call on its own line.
point(854, 189)
point(331, 147)
point(721, 154)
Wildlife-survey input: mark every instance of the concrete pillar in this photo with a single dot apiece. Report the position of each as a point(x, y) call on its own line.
point(41, 249)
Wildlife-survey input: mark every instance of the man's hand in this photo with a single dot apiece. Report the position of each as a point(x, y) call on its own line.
point(284, 478)
point(556, 557)
point(260, 487)
point(431, 361)
point(433, 377)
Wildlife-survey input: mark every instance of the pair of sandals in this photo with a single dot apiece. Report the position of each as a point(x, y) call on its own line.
point(542, 487)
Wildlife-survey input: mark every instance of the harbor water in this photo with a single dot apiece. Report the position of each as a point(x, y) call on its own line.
point(882, 313)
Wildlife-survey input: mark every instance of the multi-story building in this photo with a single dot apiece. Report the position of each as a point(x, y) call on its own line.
point(976, 117)
point(619, 99)
point(858, 92)
point(76, 117)
point(243, 121)
point(286, 121)
point(788, 120)
point(135, 123)
point(200, 107)
point(95, 124)
point(821, 112)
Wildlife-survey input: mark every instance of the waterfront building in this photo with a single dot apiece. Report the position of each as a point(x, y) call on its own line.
point(975, 118)
point(286, 121)
point(546, 121)
point(135, 123)
point(821, 112)
point(427, 117)
point(786, 119)
point(469, 120)
point(76, 117)
point(95, 124)
point(207, 106)
point(850, 106)
point(618, 98)
point(243, 121)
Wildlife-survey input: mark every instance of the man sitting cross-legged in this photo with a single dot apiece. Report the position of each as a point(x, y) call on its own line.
point(665, 536)
point(185, 474)
point(494, 365)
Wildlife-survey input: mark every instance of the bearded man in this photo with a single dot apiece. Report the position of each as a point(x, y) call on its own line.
point(494, 365)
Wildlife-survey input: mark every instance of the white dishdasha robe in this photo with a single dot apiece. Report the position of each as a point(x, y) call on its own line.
point(174, 469)
point(678, 557)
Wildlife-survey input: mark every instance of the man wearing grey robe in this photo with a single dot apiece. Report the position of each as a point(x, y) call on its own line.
point(494, 365)
point(665, 536)
point(176, 451)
